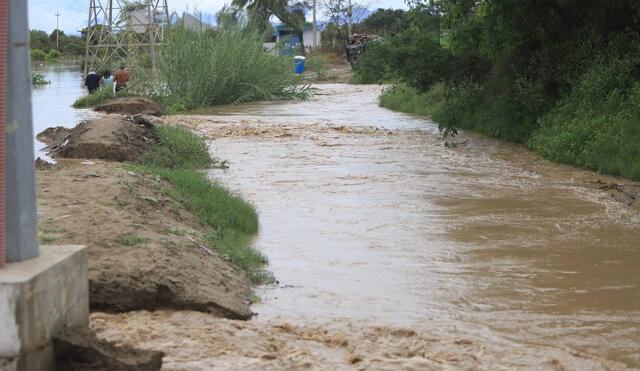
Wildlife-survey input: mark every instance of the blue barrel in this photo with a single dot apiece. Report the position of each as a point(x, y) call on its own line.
point(298, 61)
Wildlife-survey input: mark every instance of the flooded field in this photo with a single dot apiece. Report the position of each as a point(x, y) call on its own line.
point(365, 215)
point(52, 102)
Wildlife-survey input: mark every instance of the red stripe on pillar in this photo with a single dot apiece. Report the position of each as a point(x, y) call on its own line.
point(4, 24)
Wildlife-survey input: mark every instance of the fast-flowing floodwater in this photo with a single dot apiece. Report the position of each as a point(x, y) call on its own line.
point(52, 102)
point(366, 215)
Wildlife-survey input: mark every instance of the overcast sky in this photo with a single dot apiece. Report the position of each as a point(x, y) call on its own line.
point(74, 13)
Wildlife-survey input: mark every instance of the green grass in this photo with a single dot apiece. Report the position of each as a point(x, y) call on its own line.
point(178, 148)
point(99, 97)
point(130, 240)
point(47, 239)
point(233, 221)
point(197, 69)
point(403, 98)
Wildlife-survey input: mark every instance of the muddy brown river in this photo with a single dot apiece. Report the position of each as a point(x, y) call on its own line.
point(367, 218)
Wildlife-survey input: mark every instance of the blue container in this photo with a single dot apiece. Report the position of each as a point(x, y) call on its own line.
point(298, 64)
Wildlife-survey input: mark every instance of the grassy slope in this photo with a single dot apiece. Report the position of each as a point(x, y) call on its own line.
point(596, 126)
point(177, 158)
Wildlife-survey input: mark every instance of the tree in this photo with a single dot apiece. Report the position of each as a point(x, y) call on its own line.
point(39, 40)
point(259, 11)
point(386, 21)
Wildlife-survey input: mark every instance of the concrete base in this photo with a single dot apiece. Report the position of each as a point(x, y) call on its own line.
point(38, 298)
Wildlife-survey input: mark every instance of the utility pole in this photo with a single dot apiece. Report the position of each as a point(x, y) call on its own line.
point(57, 29)
point(315, 27)
point(349, 12)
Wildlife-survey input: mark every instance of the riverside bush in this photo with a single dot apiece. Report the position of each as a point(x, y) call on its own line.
point(597, 125)
point(37, 55)
point(403, 98)
point(229, 66)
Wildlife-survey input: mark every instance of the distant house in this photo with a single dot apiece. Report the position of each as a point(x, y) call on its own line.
point(194, 23)
point(290, 40)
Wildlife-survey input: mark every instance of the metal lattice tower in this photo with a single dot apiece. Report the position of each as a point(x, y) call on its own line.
point(117, 27)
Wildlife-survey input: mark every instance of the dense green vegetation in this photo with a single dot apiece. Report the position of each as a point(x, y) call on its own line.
point(176, 158)
point(197, 69)
point(561, 77)
point(42, 44)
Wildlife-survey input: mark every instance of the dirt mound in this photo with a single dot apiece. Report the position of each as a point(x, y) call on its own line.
point(131, 106)
point(53, 135)
point(108, 138)
point(78, 348)
point(142, 253)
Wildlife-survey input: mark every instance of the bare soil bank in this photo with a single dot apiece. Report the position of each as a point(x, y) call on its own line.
point(141, 254)
point(131, 106)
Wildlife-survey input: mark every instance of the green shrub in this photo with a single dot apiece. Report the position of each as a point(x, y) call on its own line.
point(403, 98)
point(596, 126)
point(37, 55)
point(39, 79)
point(53, 55)
point(178, 148)
point(230, 66)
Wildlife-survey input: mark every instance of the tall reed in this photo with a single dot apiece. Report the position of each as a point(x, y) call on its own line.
point(225, 66)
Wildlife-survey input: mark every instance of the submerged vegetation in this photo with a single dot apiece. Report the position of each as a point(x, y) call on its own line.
point(177, 158)
point(39, 79)
point(562, 78)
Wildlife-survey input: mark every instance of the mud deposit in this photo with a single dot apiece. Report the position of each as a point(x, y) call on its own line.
point(366, 216)
point(131, 106)
point(197, 341)
point(107, 138)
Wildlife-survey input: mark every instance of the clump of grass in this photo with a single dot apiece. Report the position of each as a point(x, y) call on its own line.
point(403, 98)
point(213, 204)
point(176, 158)
point(99, 97)
point(47, 239)
point(227, 66)
point(178, 148)
point(39, 79)
point(130, 240)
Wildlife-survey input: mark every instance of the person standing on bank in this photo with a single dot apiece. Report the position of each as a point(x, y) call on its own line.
point(92, 82)
point(122, 78)
point(107, 81)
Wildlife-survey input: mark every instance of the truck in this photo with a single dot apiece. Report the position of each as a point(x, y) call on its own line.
point(356, 45)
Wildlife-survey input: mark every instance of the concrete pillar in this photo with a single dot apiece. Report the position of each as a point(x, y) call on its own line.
point(38, 298)
point(20, 196)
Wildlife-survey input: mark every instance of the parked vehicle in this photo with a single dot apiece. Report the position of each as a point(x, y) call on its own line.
point(356, 45)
